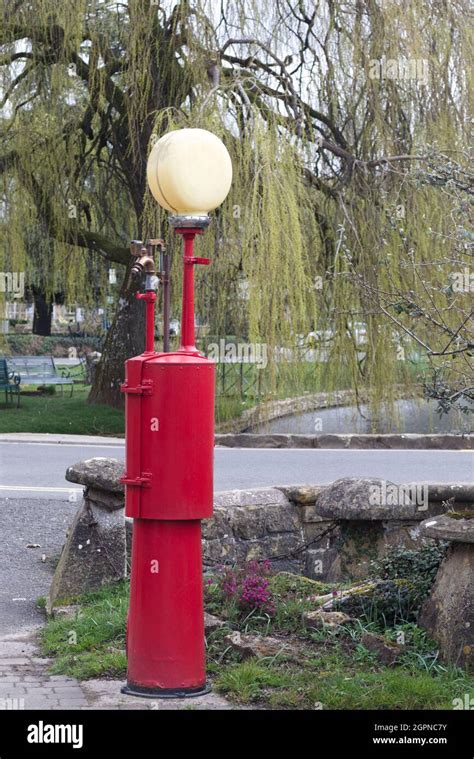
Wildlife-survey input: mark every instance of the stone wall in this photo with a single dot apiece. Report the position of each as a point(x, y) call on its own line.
point(391, 441)
point(95, 551)
point(254, 524)
point(289, 526)
point(329, 532)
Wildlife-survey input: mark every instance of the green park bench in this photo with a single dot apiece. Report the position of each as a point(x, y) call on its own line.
point(40, 370)
point(9, 381)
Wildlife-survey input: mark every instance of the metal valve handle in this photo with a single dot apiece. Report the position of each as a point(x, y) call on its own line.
point(144, 253)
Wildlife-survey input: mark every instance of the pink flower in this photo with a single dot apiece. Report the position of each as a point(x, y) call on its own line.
point(248, 586)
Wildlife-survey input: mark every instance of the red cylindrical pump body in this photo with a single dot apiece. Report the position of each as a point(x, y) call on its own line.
point(170, 436)
point(169, 489)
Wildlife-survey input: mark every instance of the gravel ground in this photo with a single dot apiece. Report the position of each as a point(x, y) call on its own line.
point(25, 573)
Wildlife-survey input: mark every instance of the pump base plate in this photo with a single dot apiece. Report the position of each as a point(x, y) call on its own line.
point(137, 690)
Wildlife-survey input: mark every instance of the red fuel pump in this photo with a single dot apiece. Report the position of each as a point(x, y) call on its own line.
point(169, 488)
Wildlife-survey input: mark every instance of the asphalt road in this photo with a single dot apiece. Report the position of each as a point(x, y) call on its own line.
point(37, 469)
point(37, 504)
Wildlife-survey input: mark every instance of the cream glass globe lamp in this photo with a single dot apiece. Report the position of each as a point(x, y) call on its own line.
point(189, 173)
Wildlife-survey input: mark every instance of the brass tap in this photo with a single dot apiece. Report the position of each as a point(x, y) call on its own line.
point(144, 255)
point(144, 259)
point(143, 264)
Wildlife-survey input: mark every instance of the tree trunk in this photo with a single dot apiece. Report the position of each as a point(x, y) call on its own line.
point(42, 313)
point(125, 338)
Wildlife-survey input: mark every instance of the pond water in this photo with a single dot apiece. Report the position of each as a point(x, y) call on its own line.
point(408, 416)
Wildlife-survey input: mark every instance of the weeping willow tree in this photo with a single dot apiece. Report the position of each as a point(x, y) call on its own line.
point(347, 127)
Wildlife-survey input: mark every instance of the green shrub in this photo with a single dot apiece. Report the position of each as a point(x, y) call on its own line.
point(419, 566)
point(389, 603)
point(46, 390)
point(53, 345)
point(407, 577)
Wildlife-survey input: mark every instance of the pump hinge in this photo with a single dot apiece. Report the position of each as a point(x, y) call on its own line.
point(146, 388)
point(144, 481)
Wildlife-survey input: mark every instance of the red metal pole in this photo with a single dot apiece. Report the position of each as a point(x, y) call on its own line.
point(187, 315)
point(187, 318)
point(165, 278)
point(149, 297)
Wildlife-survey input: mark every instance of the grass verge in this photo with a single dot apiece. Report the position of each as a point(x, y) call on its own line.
point(62, 414)
point(59, 413)
point(324, 669)
point(92, 643)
